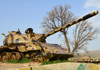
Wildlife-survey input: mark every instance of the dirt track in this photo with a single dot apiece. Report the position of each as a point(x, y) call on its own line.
point(5, 66)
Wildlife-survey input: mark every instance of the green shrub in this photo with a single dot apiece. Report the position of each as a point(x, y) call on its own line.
point(24, 60)
point(52, 62)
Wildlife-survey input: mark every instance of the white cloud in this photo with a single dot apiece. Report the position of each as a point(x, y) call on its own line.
point(93, 3)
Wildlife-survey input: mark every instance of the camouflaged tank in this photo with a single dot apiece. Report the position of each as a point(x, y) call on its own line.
point(86, 59)
point(33, 46)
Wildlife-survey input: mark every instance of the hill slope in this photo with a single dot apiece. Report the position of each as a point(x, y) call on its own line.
point(93, 54)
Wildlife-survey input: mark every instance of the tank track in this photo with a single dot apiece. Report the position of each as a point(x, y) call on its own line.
point(12, 53)
point(5, 56)
point(36, 56)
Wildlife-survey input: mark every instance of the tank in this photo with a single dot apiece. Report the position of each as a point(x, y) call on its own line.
point(86, 59)
point(33, 46)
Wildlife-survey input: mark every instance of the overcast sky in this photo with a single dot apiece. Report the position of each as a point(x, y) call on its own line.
point(23, 14)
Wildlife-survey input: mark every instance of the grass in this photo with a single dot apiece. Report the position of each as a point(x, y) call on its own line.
point(24, 60)
point(53, 62)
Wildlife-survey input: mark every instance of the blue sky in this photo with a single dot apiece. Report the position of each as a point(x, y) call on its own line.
point(23, 14)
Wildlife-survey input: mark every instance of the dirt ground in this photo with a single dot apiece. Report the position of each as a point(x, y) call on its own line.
point(5, 66)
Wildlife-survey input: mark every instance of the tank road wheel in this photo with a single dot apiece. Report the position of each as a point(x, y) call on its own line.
point(47, 58)
point(15, 56)
point(5, 56)
point(0, 58)
point(38, 58)
point(34, 58)
point(18, 56)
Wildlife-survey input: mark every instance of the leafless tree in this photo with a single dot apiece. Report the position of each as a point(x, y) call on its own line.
point(60, 16)
point(83, 33)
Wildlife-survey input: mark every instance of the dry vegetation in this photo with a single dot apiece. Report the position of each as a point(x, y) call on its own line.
point(92, 54)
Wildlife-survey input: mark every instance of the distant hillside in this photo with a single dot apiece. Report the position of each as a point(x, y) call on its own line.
point(93, 54)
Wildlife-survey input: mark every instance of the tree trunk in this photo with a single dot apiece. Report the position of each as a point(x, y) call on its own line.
point(74, 50)
point(66, 40)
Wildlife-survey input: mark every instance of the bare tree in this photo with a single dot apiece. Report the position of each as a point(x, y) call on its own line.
point(58, 17)
point(82, 33)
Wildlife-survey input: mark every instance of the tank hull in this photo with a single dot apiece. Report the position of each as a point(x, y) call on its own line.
point(50, 52)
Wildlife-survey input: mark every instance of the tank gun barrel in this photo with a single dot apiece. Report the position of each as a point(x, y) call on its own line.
point(72, 23)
